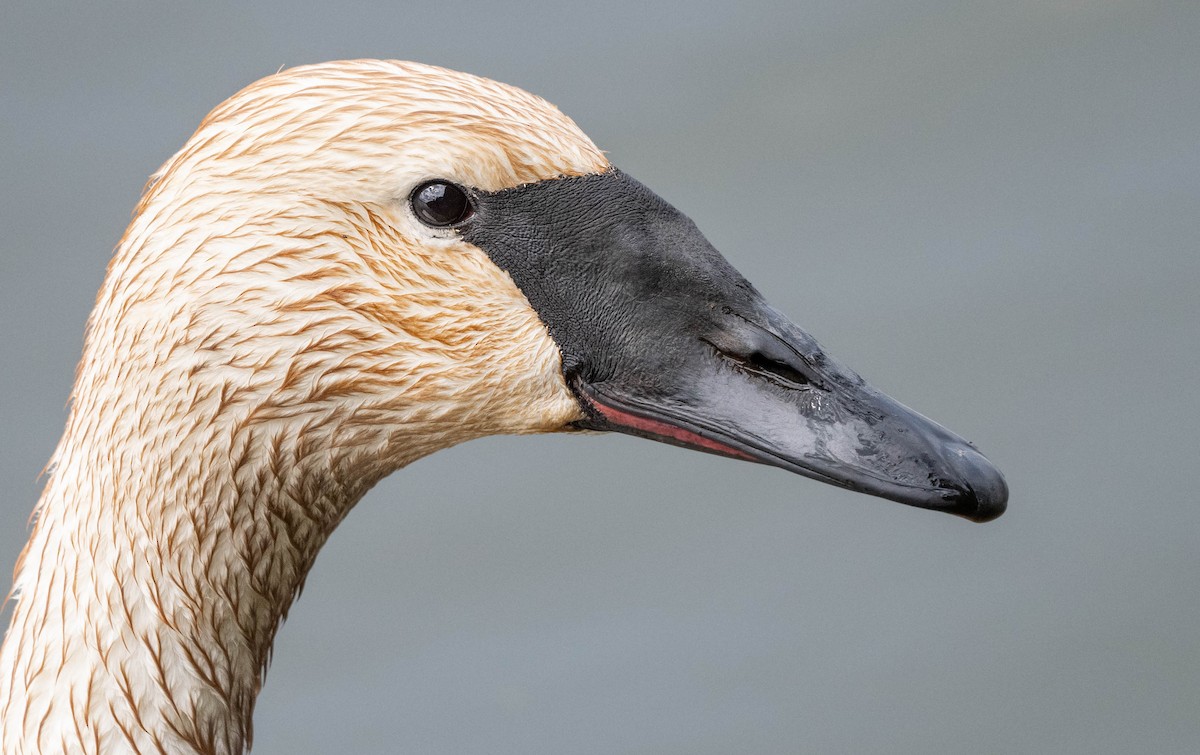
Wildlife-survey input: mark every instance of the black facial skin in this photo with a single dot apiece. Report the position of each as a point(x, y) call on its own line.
point(661, 337)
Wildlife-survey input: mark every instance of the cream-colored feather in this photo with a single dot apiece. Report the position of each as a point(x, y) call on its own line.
point(276, 333)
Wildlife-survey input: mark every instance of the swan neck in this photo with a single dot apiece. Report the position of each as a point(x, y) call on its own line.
point(161, 563)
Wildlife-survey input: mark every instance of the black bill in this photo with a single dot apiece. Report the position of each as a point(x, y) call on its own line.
point(662, 338)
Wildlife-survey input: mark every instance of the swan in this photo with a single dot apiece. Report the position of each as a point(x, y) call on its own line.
point(347, 267)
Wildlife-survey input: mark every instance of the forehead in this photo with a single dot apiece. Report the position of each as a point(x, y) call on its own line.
point(404, 118)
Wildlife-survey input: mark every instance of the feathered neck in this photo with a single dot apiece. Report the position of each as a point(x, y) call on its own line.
point(206, 461)
point(158, 572)
point(275, 334)
point(196, 482)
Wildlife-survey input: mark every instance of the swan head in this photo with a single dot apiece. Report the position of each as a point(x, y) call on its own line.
point(382, 259)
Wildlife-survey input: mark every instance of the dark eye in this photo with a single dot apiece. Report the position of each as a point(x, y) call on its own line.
point(441, 204)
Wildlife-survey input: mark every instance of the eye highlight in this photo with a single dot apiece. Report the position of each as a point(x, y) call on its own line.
point(441, 204)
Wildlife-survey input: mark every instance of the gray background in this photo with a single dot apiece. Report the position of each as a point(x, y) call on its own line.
point(991, 210)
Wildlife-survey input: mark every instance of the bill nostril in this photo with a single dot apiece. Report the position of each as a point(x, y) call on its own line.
point(753, 361)
point(761, 364)
point(762, 354)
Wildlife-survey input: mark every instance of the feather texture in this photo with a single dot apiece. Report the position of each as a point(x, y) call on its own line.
point(275, 334)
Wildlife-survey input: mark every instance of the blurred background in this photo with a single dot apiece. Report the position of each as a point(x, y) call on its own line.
point(991, 210)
